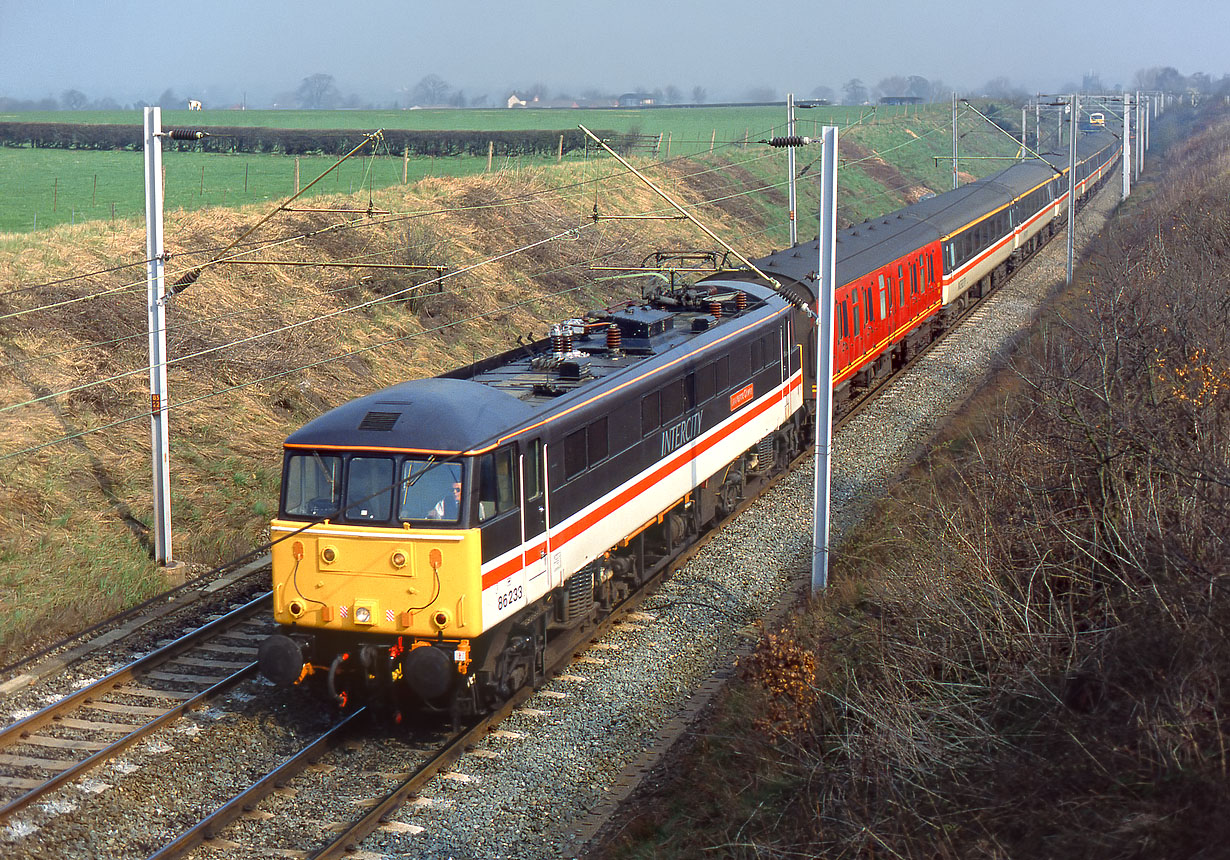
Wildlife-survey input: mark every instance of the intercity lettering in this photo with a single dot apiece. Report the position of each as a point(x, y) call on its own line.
point(680, 434)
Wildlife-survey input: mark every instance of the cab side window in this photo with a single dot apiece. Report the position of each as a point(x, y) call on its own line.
point(497, 491)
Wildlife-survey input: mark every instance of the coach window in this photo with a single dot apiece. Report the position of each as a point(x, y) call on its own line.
point(576, 451)
point(843, 322)
point(854, 310)
point(497, 484)
point(869, 314)
point(930, 269)
point(901, 285)
point(883, 307)
point(651, 413)
point(922, 275)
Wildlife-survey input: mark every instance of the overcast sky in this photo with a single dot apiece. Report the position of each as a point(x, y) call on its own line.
point(218, 50)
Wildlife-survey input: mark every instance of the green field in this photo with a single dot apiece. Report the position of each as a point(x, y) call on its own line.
point(43, 187)
point(40, 188)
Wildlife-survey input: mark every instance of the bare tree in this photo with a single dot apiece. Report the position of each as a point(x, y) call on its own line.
point(430, 90)
point(856, 92)
point(894, 85)
point(73, 100)
point(824, 93)
point(316, 92)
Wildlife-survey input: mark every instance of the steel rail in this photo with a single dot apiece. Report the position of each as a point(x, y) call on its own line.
point(13, 733)
point(208, 827)
point(110, 752)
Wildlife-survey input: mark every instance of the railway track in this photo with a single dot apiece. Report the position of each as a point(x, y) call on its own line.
point(342, 838)
point(94, 725)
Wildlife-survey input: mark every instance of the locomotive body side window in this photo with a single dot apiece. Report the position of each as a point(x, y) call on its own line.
point(576, 451)
point(721, 374)
point(672, 400)
point(651, 413)
point(313, 486)
point(597, 441)
point(757, 355)
point(369, 489)
point(740, 362)
point(705, 386)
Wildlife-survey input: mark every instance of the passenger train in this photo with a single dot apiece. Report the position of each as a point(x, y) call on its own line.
point(433, 537)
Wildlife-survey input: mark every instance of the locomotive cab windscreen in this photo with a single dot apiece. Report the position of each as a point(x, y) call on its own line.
point(373, 489)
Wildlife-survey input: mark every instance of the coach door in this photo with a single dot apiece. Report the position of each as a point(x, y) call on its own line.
point(534, 539)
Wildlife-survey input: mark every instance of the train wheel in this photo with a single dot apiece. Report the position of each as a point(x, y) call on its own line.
point(728, 495)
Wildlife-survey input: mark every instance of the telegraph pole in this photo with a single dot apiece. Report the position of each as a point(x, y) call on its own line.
point(1127, 145)
point(794, 226)
point(1075, 107)
point(156, 302)
point(824, 358)
point(956, 182)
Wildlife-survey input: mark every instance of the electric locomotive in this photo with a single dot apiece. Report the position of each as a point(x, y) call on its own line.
point(433, 536)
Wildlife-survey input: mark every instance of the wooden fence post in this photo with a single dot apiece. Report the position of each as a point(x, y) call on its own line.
point(712, 140)
point(405, 165)
point(490, 153)
point(296, 174)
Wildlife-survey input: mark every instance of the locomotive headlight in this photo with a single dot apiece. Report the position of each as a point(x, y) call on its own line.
point(364, 612)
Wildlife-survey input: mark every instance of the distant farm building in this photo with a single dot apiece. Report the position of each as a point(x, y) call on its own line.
point(193, 104)
point(635, 100)
point(513, 101)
